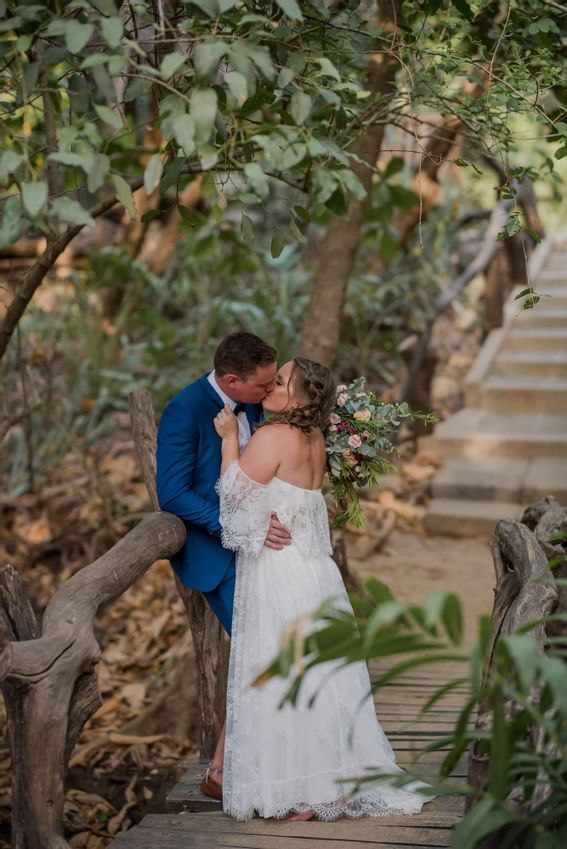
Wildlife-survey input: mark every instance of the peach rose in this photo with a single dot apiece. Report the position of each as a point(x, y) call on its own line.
point(362, 415)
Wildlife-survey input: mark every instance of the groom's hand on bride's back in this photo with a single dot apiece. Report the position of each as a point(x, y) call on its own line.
point(278, 535)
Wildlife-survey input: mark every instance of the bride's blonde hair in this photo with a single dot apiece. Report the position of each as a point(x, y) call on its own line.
point(314, 384)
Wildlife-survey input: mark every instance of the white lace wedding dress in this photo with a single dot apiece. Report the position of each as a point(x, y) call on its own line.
point(289, 760)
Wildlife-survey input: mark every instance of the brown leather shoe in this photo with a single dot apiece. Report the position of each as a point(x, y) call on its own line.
point(211, 786)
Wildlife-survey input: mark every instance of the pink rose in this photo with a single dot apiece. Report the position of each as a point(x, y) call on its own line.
point(342, 399)
point(334, 419)
point(333, 428)
point(355, 441)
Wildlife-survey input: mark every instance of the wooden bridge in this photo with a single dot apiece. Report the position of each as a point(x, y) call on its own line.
point(192, 821)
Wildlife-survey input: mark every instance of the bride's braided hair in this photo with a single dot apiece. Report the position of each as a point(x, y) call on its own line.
point(314, 384)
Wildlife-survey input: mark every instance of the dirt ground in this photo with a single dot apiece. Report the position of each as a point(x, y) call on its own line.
point(413, 565)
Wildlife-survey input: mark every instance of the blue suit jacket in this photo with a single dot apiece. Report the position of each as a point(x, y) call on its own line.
point(188, 467)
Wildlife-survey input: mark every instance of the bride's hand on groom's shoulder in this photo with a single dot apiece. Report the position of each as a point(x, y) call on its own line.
point(278, 535)
point(226, 423)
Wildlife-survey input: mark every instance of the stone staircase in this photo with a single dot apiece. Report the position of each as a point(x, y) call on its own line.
point(508, 446)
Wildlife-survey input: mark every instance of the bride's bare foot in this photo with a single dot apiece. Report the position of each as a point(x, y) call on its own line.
point(302, 817)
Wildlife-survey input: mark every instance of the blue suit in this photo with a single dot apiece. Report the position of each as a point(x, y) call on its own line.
point(188, 467)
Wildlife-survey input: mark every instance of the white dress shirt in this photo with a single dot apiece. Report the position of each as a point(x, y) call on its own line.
point(244, 434)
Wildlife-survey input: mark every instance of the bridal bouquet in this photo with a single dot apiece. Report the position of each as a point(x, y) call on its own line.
point(358, 440)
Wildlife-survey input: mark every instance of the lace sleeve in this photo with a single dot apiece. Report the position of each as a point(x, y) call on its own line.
point(244, 511)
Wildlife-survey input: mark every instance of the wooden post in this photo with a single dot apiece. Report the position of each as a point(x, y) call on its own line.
point(209, 641)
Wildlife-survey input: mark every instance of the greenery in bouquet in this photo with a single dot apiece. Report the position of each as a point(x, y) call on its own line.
point(359, 442)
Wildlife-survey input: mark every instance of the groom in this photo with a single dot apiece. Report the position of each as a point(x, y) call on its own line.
point(189, 460)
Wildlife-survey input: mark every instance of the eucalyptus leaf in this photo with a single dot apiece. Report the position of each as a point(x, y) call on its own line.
point(291, 8)
point(203, 105)
point(300, 106)
point(112, 30)
point(98, 171)
point(171, 63)
point(124, 194)
point(109, 116)
point(10, 162)
point(206, 57)
point(152, 173)
point(34, 197)
point(77, 35)
point(69, 210)
point(184, 131)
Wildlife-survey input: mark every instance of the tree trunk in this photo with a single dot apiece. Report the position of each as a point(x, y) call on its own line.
point(336, 250)
point(496, 287)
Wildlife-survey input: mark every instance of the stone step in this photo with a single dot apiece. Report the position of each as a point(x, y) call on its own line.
point(482, 433)
point(524, 394)
point(531, 364)
point(512, 480)
point(545, 316)
point(553, 275)
point(555, 262)
point(539, 339)
point(460, 518)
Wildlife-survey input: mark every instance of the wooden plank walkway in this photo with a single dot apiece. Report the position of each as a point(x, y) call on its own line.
point(192, 821)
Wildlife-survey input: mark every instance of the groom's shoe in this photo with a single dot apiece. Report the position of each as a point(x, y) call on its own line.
point(210, 786)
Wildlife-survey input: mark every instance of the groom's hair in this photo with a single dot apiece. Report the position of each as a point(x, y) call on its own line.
point(241, 353)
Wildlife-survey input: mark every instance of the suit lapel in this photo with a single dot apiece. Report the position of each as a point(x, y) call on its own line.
point(210, 392)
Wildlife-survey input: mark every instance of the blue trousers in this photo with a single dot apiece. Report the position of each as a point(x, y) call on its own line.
point(221, 599)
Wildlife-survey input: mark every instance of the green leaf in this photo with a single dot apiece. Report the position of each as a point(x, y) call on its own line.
point(109, 116)
point(285, 76)
point(301, 213)
point(262, 59)
point(402, 197)
point(94, 60)
point(137, 87)
point(257, 179)
point(247, 229)
point(9, 162)
point(171, 63)
point(277, 244)
point(291, 9)
point(484, 818)
point(328, 69)
point(203, 103)
point(300, 106)
point(206, 57)
point(152, 173)
point(188, 216)
point(394, 166)
point(98, 172)
point(34, 197)
point(76, 35)
point(112, 30)
point(13, 224)
point(124, 194)
point(237, 85)
point(73, 160)
point(208, 156)
point(184, 132)
point(69, 210)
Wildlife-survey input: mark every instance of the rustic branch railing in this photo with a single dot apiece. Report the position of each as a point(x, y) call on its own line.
point(525, 592)
point(47, 674)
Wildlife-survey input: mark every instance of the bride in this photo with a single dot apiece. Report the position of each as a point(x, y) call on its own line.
point(287, 762)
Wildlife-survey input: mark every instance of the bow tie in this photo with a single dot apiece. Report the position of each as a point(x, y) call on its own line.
point(240, 408)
